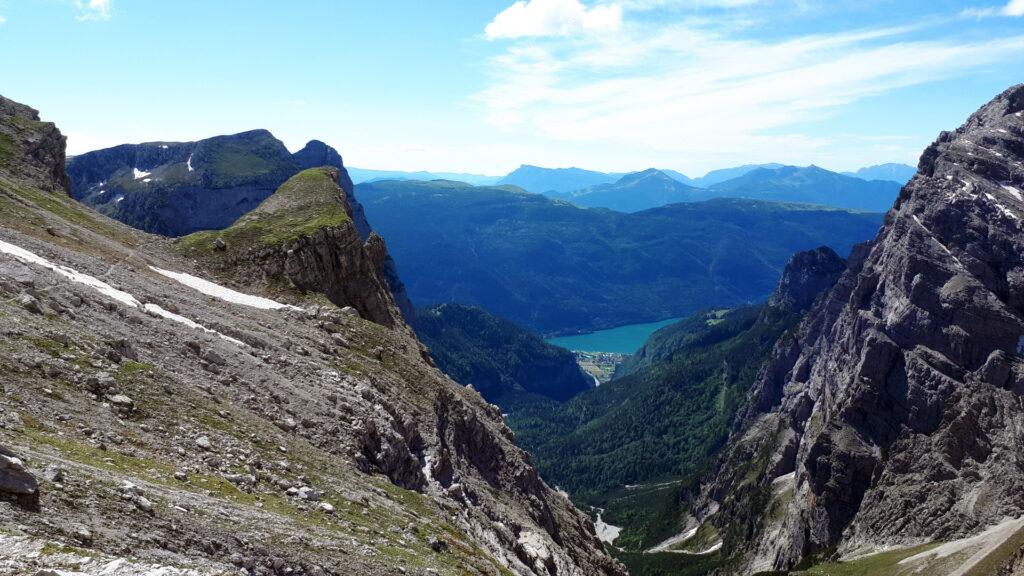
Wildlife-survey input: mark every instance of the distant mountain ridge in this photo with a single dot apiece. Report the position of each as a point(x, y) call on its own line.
point(360, 175)
point(556, 268)
point(811, 185)
point(636, 191)
point(543, 180)
point(901, 173)
point(652, 188)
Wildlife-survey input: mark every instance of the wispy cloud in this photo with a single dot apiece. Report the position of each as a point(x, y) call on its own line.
point(553, 18)
point(1013, 8)
point(690, 89)
point(3, 20)
point(93, 9)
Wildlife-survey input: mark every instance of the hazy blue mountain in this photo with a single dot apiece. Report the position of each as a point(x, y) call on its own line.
point(360, 175)
point(723, 174)
point(501, 360)
point(812, 185)
point(637, 191)
point(901, 173)
point(679, 177)
point(556, 268)
point(544, 180)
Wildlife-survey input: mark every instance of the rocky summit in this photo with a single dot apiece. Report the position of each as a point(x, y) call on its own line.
point(895, 418)
point(238, 401)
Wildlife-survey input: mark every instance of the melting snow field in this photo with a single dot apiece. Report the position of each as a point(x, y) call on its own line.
point(677, 539)
point(139, 173)
point(107, 290)
point(605, 531)
point(73, 275)
point(223, 293)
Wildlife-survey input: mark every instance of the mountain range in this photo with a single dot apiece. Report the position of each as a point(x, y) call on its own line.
point(360, 175)
point(900, 173)
point(556, 268)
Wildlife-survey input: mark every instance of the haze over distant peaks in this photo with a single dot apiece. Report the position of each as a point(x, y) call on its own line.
point(360, 175)
point(636, 191)
point(901, 173)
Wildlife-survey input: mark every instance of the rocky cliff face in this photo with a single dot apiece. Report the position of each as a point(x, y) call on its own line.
point(174, 188)
point(896, 418)
point(30, 148)
point(182, 423)
point(315, 154)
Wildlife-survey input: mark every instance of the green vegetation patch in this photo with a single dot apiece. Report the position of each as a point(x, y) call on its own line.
point(6, 148)
point(306, 203)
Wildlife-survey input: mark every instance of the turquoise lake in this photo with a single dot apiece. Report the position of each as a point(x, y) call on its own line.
point(622, 340)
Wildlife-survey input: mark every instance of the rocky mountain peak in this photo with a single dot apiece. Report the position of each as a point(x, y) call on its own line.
point(216, 429)
point(894, 419)
point(31, 148)
point(807, 274)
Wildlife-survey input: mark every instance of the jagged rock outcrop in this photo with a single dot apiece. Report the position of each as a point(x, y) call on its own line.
point(806, 276)
point(317, 153)
point(896, 417)
point(30, 148)
point(277, 240)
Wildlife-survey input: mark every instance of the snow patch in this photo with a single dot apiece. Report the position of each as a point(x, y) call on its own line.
point(222, 292)
point(73, 275)
point(154, 309)
point(1013, 191)
point(119, 198)
point(139, 173)
point(189, 164)
point(107, 290)
point(713, 548)
point(605, 531)
point(164, 146)
point(147, 179)
point(677, 539)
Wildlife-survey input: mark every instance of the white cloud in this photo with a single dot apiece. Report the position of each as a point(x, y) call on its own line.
point(553, 18)
point(1013, 8)
point(693, 92)
point(3, 20)
point(93, 9)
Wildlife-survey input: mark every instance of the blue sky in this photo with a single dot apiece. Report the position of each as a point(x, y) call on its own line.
point(483, 86)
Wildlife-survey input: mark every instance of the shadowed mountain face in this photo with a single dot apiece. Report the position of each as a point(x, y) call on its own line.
point(174, 188)
point(556, 268)
point(501, 360)
point(895, 415)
